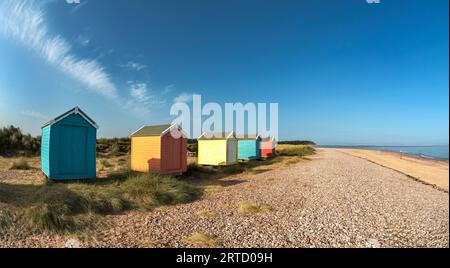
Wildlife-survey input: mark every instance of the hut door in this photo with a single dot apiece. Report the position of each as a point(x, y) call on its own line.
point(172, 153)
point(231, 150)
point(72, 150)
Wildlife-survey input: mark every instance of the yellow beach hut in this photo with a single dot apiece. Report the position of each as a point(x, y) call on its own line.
point(161, 148)
point(217, 149)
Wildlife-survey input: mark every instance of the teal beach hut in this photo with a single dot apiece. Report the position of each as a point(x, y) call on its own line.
point(249, 147)
point(68, 146)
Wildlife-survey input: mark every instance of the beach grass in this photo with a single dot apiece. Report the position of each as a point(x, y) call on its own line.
point(78, 208)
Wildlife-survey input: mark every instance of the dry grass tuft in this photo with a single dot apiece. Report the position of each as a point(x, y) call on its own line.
point(202, 240)
point(213, 188)
point(20, 164)
point(206, 213)
point(248, 208)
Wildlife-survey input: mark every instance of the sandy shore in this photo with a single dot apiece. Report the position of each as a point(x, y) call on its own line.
point(434, 172)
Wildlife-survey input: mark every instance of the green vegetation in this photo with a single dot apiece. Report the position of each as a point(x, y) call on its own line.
point(52, 208)
point(292, 150)
point(20, 164)
point(77, 207)
point(153, 190)
point(113, 147)
point(105, 163)
point(193, 148)
point(192, 145)
point(299, 142)
point(13, 142)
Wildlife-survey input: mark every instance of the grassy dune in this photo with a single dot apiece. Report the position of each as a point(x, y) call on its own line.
point(78, 207)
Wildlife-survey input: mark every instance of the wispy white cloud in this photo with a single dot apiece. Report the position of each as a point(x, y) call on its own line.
point(139, 92)
point(36, 115)
point(24, 21)
point(142, 100)
point(134, 66)
point(184, 98)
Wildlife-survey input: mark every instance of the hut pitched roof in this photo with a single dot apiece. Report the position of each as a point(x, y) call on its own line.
point(269, 139)
point(217, 136)
point(248, 137)
point(158, 130)
point(75, 110)
point(150, 131)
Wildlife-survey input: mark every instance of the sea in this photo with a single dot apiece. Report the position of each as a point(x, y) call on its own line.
point(431, 152)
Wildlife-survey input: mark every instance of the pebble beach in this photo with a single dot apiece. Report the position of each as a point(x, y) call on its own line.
point(332, 200)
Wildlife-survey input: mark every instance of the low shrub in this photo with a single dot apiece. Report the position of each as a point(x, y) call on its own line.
point(20, 164)
point(105, 163)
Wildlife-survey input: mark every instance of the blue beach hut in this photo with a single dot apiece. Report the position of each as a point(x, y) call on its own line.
point(249, 147)
point(68, 146)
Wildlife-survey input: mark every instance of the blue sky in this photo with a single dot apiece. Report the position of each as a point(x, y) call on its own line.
point(343, 72)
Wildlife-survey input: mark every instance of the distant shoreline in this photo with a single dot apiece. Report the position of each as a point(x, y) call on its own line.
point(429, 171)
point(442, 156)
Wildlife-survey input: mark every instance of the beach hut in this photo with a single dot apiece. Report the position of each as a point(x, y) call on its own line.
point(268, 147)
point(217, 149)
point(68, 146)
point(249, 147)
point(161, 148)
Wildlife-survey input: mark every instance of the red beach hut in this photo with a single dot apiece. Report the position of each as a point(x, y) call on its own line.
point(268, 147)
